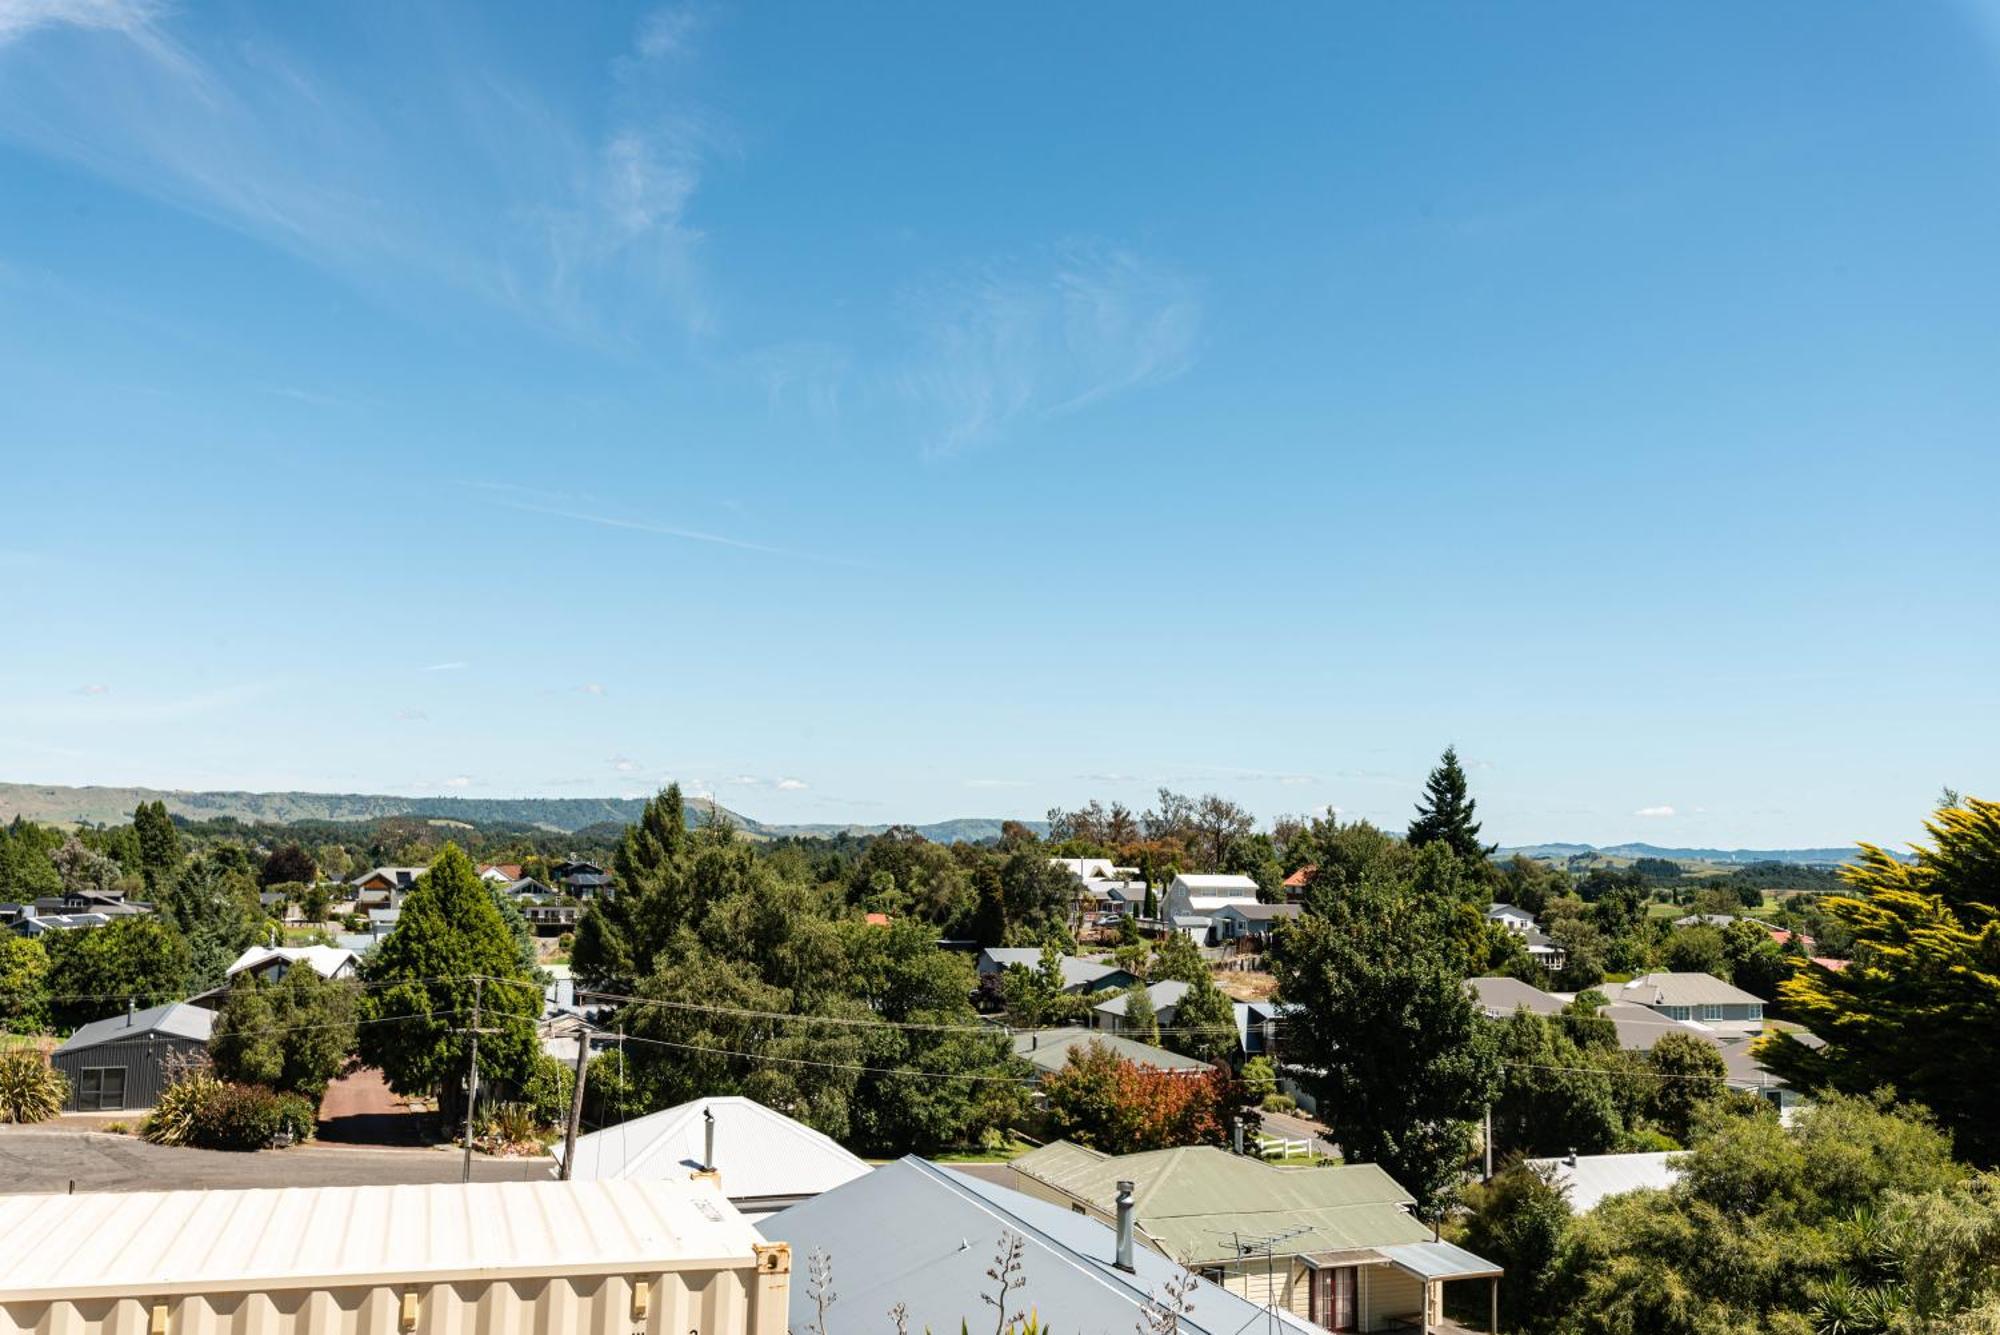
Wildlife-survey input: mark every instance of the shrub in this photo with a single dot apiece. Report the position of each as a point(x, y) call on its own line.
point(546, 1092)
point(237, 1117)
point(1279, 1103)
point(116, 1128)
point(514, 1124)
point(30, 1089)
point(298, 1117)
point(179, 1108)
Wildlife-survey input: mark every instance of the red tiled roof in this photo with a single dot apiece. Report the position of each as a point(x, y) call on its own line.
point(1831, 966)
point(1298, 879)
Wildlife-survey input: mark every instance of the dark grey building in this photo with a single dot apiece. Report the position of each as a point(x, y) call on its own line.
point(126, 1060)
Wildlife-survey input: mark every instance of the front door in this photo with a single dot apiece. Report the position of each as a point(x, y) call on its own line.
point(1334, 1305)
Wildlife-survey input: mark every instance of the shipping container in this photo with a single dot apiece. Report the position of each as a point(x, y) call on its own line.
point(501, 1258)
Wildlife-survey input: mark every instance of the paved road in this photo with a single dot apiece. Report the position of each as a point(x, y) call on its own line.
point(1290, 1126)
point(38, 1160)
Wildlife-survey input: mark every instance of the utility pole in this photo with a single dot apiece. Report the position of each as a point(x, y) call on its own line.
point(1487, 1137)
point(576, 1096)
point(472, 1071)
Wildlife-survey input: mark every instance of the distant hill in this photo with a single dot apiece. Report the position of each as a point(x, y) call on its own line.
point(54, 804)
point(1797, 857)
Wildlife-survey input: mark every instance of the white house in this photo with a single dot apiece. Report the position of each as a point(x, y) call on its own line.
point(1199, 896)
point(1696, 996)
point(763, 1160)
point(1518, 921)
point(1586, 1179)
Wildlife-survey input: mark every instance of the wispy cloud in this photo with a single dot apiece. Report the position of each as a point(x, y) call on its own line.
point(573, 217)
point(792, 785)
point(454, 666)
point(1024, 343)
point(1655, 813)
point(625, 764)
point(20, 17)
point(459, 781)
point(592, 688)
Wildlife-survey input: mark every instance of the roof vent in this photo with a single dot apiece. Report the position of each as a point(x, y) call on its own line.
point(1125, 1210)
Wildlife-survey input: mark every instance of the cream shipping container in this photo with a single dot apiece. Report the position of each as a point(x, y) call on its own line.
point(501, 1258)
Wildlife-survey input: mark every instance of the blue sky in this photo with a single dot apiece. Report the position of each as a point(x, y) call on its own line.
point(908, 411)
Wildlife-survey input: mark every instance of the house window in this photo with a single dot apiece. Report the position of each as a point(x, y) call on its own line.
point(1711, 1012)
point(100, 1088)
point(1757, 1012)
point(1677, 1012)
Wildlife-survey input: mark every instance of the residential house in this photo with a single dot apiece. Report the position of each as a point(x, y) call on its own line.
point(919, 1238)
point(1197, 928)
point(1252, 922)
point(383, 887)
point(1109, 1015)
point(1501, 997)
point(1257, 1028)
point(581, 880)
point(500, 873)
point(1048, 1050)
point(1092, 869)
point(763, 1161)
point(109, 903)
point(1079, 975)
point(1586, 1179)
point(271, 963)
point(1518, 921)
point(1296, 883)
point(1521, 923)
point(32, 922)
point(1199, 896)
point(1335, 1246)
point(125, 1060)
point(1695, 996)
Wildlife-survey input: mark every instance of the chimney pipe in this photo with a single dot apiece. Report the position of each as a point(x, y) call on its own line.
point(1124, 1261)
point(1238, 1136)
point(708, 1140)
point(131, 1009)
point(1572, 1157)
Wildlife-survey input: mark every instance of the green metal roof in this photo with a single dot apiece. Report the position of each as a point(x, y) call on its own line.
point(1201, 1203)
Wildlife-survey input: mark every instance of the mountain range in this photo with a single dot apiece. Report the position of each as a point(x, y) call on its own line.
point(55, 804)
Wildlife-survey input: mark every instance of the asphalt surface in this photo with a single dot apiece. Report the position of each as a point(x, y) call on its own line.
point(41, 1160)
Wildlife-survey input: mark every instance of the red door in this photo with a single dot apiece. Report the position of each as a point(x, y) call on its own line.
point(1334, 1305)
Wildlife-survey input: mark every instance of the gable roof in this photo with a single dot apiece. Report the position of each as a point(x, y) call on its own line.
point(1048, 1050)
point(1206, 883)
point(326, 961)
point(1164, 995)
point(1640, 1027)
point(1501, 997)
point(922, 1235)
point(1685, 989)
point(176, 1019)
point(1497, 910)
point(761, 1154)
point(1075, 972)
point(1190, 1201)
point(1260, 912)
point(1301, 878)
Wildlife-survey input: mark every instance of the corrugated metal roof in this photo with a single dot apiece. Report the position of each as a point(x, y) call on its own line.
point(760, 1153)
point(1503, 996)
point(1164, 995)
point(1686, 989)
point(215, 1241)
point(1049, 1049)
point(1194, 1200)
point(923, 1236)
point(326, 961)
point(1595, 1176)
point(176, 1018)
point(1439, 1260)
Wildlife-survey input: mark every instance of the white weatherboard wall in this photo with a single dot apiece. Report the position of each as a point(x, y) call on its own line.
point(547, 1258)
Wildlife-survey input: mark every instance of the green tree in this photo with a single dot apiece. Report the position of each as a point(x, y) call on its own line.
point(1177, 958)
point(24, 986)
point(1142, 1022)
point(294, 1035)
point(1919, 1006)
point(83, 868)
point(1445, 814)
point(26, 873)
point(1520, 1221)
point(1695, 950)
point(1205, 1022)
point(1687, 1074)
point(215, 908)
point(98, 971)
point(449, 948)
point(1554, 1098)
point(1756, 963)
point(160, 848)
point(1385, 1034)
point(288, 862)
point(620, 935)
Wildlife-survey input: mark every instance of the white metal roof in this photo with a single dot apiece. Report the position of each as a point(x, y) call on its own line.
point(163, 1242)
point(1686, 989)
point(1216, 884)
point(326, 961)
point(1595, 1176)
point(761, 1154)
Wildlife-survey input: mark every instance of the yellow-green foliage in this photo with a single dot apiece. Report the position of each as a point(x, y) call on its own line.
point(176, 1115)
point(1918, 1006)
point(30, 1089)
